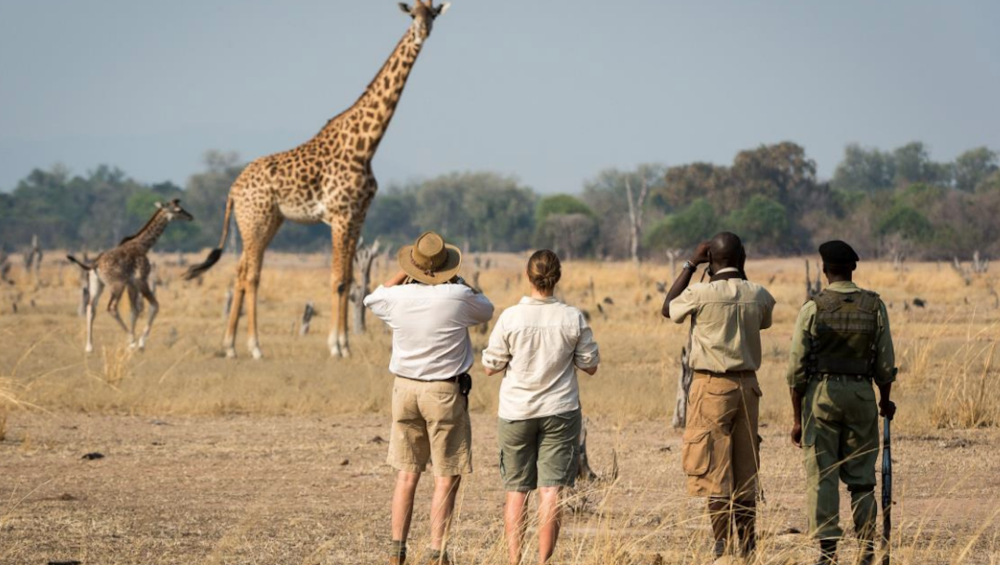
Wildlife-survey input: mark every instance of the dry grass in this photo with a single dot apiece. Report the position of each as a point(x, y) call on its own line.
point(254, 477)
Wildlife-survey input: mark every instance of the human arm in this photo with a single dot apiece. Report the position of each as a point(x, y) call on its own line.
point(798, 369)
point(684, 279)
point(797, 412)
point(586, 355)
point(397, 279)
point(885, 364)
point(497, 354)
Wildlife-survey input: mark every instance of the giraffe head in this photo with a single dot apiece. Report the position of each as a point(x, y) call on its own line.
point(174, 211)
point(423, 14)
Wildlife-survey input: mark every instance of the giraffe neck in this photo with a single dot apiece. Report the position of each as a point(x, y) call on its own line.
point(147, 237)
point(368, 119)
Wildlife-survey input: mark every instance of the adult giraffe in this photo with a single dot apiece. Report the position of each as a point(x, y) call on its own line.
point(327, 179)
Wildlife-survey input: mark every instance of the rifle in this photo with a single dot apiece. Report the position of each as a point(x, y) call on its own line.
point(886, 489)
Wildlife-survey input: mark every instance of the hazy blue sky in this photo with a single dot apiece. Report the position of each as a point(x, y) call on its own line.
point(549, 90)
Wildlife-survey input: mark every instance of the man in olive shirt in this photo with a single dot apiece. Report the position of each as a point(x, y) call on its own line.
point(840, 345)
point(721, 448)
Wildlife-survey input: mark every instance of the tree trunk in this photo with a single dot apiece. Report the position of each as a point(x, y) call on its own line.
point(364, 258)
point(683, 390)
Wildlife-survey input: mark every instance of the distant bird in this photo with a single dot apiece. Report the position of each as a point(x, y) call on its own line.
point(661, 287)
point(607, 300)
point(919, 302)
point(649, 297)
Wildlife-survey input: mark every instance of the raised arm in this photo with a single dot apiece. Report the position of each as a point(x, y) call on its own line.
point(684, 279)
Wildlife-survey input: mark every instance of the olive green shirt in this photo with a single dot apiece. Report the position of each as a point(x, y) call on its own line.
point(805, 332)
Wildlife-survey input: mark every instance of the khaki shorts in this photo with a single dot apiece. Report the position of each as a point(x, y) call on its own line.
point(721, 451)
point(430, 424)
point(539, 451)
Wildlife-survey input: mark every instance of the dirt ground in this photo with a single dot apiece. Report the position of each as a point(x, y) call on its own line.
point(210, 461)
point(316, 490)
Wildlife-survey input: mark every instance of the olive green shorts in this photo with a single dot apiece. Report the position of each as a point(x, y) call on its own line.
point(539, 451)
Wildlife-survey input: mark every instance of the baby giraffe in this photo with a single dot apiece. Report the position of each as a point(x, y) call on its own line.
point(126, 267)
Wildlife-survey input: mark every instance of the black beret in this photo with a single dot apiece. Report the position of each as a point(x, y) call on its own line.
point(838, 253)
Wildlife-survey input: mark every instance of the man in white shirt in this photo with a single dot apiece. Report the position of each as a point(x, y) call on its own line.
point(430, 311)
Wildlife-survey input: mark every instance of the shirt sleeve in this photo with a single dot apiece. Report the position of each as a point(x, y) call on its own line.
point(885, 359)
point(586, 355)
point(798, 355)
point(767, 310)
point(479, 309)
point(497, 353)
point(380, 303)
point(684, 305)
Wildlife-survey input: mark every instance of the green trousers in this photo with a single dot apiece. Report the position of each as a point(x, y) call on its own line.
point(840, 440)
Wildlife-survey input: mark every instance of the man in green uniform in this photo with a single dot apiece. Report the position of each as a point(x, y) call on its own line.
point(841, 344)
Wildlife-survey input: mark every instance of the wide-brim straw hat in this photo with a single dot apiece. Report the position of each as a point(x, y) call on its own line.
point(430, 260)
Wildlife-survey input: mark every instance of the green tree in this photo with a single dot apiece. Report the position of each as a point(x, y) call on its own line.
point(692, 225)
point(867, 170)
point(763, 222)
point(907, 222)
point(973, 167)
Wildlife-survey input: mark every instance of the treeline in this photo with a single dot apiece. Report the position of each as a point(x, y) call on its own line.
point(883, 202)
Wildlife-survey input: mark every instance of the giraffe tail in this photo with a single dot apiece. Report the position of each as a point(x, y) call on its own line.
point(84, 266)
point(216, 254)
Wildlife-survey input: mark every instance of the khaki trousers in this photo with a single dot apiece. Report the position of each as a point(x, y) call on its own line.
point(721, 452)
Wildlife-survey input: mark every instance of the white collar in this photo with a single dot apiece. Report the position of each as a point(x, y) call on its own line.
point(726, 270)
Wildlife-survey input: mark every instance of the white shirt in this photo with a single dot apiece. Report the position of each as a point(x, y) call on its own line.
point(430, 327)
point(540, 343)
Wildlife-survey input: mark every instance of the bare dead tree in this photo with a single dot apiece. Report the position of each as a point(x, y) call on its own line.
point(5, 266)
point(813, 287)
point(364, 258)
point(980, 265)
point(307, 316)
point(635, 214)
point(33, 260)
point(583, 468)
point(672, 255)
point(683, 391)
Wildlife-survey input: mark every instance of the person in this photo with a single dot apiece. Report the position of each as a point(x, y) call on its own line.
point(721, 448)
point(539, 344)
point(429, 309)
point(840, 345)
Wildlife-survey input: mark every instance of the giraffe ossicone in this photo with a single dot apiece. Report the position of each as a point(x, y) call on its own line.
point(328, 179)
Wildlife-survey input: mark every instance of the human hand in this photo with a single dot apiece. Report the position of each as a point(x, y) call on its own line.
point(796, 435)
point(701, 253)
point(887, 408)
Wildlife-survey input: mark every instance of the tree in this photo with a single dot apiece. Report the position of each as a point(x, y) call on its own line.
point(561, 204)
point(686, 229)
point(867, 170)
point(913, 164)
point(611, 195)
point(973, 167)
point(206, 194)
point(570, 235)
point(763, 222)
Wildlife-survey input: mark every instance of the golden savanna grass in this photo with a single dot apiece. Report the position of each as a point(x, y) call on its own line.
point(280, 461)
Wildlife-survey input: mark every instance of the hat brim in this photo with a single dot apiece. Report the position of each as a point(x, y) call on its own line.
point(442, 274)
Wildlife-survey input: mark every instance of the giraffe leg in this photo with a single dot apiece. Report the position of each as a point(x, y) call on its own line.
point(116, 297)
point(255, 242)
point(345, 241)
point(135, 308)
point(154, 308)
point(229, 342)
point(95, 288)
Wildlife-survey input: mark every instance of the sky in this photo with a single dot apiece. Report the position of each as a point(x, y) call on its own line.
point(550, 91)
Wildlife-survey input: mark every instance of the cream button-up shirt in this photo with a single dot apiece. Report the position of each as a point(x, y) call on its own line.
point(726, 319)
point(430, 327)
point(540, 343)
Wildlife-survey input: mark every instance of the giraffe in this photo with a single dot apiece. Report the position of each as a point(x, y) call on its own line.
point(127, 267)
point(327, 179)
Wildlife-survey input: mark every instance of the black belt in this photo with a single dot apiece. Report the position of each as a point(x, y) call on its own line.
point(845, 378)
point(448, 380)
